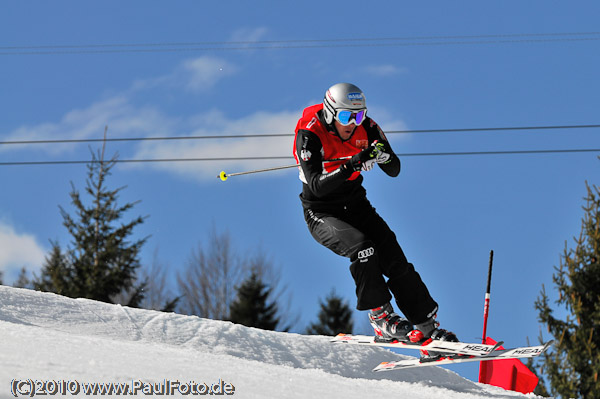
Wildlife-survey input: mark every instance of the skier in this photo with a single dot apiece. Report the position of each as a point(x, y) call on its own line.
point(335, 141)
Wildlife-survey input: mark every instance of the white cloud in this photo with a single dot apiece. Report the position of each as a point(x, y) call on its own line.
point(249, 34)
point(215, 123)
point(121, 117)
point(205, 72)
point(196, 75)
point(18, 250)
point(124, 119)
point(385, 119)
point(384, 70)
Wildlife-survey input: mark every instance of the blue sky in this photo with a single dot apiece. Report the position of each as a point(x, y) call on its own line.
point(467, 65)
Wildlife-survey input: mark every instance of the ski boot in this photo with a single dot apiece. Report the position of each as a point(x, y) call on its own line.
point(429, 330)
point(388, 326)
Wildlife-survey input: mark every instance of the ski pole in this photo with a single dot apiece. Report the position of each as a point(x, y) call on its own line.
point(486, 306)
point(224, 176)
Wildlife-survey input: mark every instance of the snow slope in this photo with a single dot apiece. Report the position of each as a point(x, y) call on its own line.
point(47, 337)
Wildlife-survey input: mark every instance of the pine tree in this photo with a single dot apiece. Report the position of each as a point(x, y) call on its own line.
point(56, 273)
point(540, 388)
point(251, 307)
point(573, 367)
point(335, 317)
point(23, 281)
point(101, 262)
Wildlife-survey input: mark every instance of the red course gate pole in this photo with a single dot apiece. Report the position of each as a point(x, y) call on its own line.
point(486, 306)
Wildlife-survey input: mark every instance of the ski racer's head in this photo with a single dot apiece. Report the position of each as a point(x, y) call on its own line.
point(344, 107)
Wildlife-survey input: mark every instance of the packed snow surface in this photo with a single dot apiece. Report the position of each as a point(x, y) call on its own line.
point(68, 347)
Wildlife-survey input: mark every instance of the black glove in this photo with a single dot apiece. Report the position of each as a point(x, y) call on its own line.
point(357, 161)
point(383, 152)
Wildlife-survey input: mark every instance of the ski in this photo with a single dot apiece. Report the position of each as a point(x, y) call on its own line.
point(461, 348)
point(499, 354)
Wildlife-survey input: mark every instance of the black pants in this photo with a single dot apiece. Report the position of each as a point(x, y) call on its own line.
point(359, 233)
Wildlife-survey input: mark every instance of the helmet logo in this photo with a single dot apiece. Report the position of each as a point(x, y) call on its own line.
point(355, 96)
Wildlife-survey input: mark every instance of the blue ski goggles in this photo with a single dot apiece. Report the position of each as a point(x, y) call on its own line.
point(346, 117)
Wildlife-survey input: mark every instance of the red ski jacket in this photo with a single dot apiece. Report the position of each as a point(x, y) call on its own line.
point(320, 154)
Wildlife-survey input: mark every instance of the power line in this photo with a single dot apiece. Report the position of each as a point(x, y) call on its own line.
point(302, 43)
point(494, 129)
point(238, 136)
point(226, 159)
point(508, 152)
point(244, 42)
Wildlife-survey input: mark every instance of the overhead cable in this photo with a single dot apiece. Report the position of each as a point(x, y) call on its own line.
point(266, 158)
point(240, 136)
point(439, 40)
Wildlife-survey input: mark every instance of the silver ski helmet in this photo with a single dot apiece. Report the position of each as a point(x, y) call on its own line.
point(344, 97)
